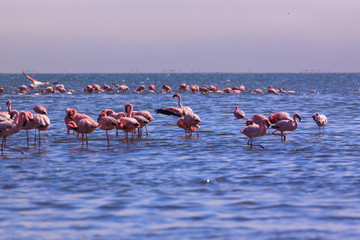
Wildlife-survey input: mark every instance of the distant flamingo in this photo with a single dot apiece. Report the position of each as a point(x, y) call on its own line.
point(272, 90)
point(255, 130)
point(41, 121)
point(167, 88)
point(107, 123)
point(151, 88)
point(239, 114)
point(321, 120)
point(184, 110)
point(35, 82)
point(286, 125)
point(276, 117)
point(10, 127)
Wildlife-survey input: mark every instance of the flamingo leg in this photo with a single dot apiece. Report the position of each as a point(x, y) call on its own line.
point(147, 134)
point(27, 137)
point(87, 143)
point(107, 134)
point(82, 139)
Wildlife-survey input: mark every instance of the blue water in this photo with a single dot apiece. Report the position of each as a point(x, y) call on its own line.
point(167, 186)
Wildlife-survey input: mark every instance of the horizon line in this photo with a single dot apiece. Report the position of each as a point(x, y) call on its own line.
point(164, 72)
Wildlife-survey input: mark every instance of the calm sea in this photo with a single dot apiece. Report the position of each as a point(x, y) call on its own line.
point(167, 186)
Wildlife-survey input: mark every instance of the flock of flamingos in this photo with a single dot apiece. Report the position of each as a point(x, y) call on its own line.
point(130, 121)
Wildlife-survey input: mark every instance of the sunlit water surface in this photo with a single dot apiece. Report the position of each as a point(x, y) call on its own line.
point(170, 187)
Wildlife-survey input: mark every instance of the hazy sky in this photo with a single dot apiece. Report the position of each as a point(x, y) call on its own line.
point(194, 35)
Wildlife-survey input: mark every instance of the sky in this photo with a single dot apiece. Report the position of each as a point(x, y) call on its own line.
point(125, 36)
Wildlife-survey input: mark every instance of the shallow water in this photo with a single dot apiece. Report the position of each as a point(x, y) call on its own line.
point(167, 186)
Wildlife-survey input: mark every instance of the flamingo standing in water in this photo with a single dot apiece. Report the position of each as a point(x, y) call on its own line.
point(239, 114)
point(184, 110)
point(129, 124)
point(10, 127)
point(35, 82)
point(107, 123)
point(286, 125)
point(321, 120)
point(257, 118)
point(255, 130)
point(41, 121)
point(276, 117)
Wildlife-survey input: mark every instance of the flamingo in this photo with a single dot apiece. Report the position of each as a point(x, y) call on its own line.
point(257, 118)
point(182, 124)
point(41, 121)
point(167, 88)
point(276, 117)
point(85, 126)
point(170, 111)
point(10, 127)
point(255, 130)
point(145, 114)
point(286, 125)
point(239, 114)
point(272, 90)
point(35, 82)
point(6, 115)
point(28, 125)
point(184, 110)
point(2, 90)
point(321, 120)
point(129, 124)
point(192, 120)
point(151, 88)
point(107, 123)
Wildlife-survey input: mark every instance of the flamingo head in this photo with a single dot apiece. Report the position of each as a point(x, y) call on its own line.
point(176, 95)
point(315, 115)
point(296, 115)
point(8, 103)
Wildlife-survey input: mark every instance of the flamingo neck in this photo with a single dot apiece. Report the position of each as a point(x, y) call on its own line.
point(129, 112)
point(179, 101)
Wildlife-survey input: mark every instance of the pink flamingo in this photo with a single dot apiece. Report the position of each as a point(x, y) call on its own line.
point(182, 124)
point(6, 115)
point(167, 88)
point(123, 87)
point(286, 125)
point(183, 87)
point(272, 90)
point(239, 114)
point(107, 123)
point(321, 120)
point(10, 127)
point(276, 117)
point(192, 120)
point(151, 88)
point(41, 121)
point(227, 90)
point(257, 118)
point(145, 114)
point(170, 111)
point(129, 124)
point(255, 130)
point(184, 110)
point(35, 82)
point(86, 126)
